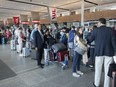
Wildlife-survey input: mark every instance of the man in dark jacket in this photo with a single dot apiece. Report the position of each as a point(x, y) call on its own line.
point(38, 43)
point(105, 49)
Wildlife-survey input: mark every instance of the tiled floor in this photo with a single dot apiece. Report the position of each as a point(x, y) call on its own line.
point(29, 75)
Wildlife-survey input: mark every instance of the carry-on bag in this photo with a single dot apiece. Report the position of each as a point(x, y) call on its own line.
point(17, 49)
point(4, 40)
point(62, 55)
point(114, 79)
point(26, 52)
point(112, 74)
point(27, 44)
point(33, 54)
point(52, 55)
point(13, 45)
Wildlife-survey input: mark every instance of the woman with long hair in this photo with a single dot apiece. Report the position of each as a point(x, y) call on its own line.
point(77, 57)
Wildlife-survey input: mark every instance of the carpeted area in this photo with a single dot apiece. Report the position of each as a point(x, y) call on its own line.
point(5, 71)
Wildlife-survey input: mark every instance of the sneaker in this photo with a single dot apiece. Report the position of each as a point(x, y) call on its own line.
point(20, 54)
point(76, 75)
point(91, 66)
point(80, 73)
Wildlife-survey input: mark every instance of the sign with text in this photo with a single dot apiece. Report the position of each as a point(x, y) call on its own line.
point(16, 20)
point(24, 18)
point(1, 22)
point(10, 21)
point(53, 14)
point(35, 16)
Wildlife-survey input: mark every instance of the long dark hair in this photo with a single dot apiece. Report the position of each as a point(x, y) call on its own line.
point(77, 32)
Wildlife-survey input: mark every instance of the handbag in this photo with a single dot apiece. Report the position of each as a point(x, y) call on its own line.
point(81, 47)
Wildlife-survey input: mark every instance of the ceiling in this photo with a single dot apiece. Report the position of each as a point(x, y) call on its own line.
point(10, 9)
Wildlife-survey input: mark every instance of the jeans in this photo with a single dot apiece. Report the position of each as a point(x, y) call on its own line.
point(76, 61)
point(92, 57)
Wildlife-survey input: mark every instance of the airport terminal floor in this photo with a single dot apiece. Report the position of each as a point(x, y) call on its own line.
point(18, 71)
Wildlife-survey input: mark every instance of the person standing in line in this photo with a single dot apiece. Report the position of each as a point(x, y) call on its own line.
point(105, 49)
point(48, 42)
point(92, 48)
point(63, 38)
point(77, 57)
point(39, 43)
point(20, 40)
point(71, 39)
point(32, 35)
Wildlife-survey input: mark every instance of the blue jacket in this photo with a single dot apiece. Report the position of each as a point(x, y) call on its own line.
point(105, 41)
point(32, 34)
point(64, 39)
point(71, 36)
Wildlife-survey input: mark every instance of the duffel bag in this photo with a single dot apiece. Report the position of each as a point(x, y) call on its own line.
point(58, 47)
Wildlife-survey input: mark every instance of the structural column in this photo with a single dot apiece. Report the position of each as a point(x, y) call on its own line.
point(82, 13)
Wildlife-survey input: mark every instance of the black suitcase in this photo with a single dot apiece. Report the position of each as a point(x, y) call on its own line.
point(33, 54)
point(112, 74)
point(58, 47)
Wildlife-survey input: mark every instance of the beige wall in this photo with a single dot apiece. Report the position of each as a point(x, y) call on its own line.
point(88, 16)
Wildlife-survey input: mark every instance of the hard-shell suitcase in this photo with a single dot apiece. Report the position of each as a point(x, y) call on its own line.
point(114, 79)
point(4, 40)
point(62, 55)
point(52, 55)
point(13, 45)
point(33, 54)
point(58, 47)
point(27, 44)
point(26, 52)
point(17, 49)
point(63, 58)
point(112, 74)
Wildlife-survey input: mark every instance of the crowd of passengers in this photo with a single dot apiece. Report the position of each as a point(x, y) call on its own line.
point(100, 41)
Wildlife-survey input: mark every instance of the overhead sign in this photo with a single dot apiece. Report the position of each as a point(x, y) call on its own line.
point(10, 21)
point(1, 22)
point(16, 20)
point(53, 14)
point(35, 16)
point(24, 18)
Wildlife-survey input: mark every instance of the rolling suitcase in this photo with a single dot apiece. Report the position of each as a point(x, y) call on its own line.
point(17, 49)
point(26, 52)
point(112, 74)
point(4, 40)
point(114, 79)
point(27, 44)
point(63, 58)
point(52, 55)
point(13, 45)
point(62, 55)
point(33, 54)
